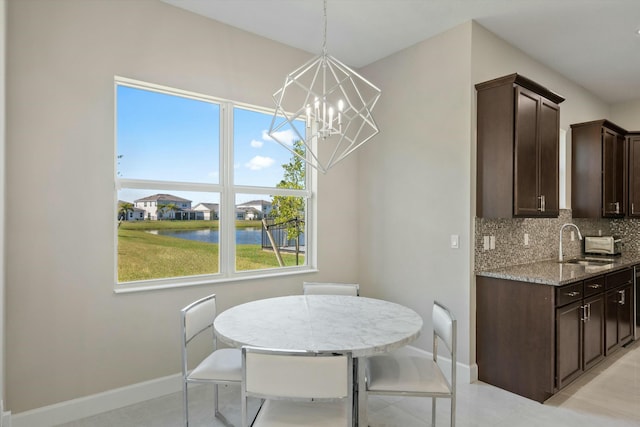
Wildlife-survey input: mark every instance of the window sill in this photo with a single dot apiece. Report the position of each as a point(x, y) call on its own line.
point(172, 284)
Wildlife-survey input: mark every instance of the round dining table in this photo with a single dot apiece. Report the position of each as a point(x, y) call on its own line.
point(334, 323)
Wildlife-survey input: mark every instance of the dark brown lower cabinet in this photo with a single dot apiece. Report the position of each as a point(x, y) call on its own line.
point(579, 338)
point(569, 341)
point(593, 346)
point(534, 339)
point(619, 314)
point(515, 336)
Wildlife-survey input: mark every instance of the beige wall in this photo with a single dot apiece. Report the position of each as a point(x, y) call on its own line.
point(68, 335)
point(415, 181)
point(419, 175)
point(390, 210)
point(493, 57)
point(627, 115)
point(3, 22)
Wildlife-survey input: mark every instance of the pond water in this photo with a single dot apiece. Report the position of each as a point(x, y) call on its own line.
point(245, 236)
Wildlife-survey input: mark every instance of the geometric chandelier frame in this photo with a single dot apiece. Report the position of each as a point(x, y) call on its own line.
point(333, 104)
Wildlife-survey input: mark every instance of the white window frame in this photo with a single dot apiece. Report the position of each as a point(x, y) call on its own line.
point(227, 191)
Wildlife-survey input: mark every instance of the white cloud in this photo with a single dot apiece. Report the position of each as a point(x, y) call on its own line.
point(256, 144)
point(285, 136)
point(259, 162)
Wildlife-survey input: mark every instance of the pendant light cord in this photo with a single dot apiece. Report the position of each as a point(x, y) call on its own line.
point(324, 35)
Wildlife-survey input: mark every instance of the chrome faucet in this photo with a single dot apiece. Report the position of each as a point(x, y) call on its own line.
point(561, 229)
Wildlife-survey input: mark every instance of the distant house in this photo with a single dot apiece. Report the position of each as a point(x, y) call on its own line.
point(156, 207)
point(135, 214)
point(210, 211)
point(248, 214)
point(255, 209)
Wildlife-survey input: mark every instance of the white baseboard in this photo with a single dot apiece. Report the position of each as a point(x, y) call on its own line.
point(465, 374)
point(5, 416)
point(87, 406)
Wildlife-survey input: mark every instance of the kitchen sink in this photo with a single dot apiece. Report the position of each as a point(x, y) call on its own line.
point(590, 262)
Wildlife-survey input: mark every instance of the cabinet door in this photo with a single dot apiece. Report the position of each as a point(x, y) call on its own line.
point(568, 343)
point(613, 173)
point(625, 314)
point(611, 321)
point(549, 183)
point(619, 315)
point(621, 175)
point(525, 191)
point(593, 347)
point(634, 176)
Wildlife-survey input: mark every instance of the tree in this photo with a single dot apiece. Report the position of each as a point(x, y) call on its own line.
point(123, 210)
point(169, 207)
point(290, 209)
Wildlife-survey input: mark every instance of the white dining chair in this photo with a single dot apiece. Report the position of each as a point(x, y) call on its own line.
point(221, 366)
point(403, 373)
point(327, 288)
point(297, 388)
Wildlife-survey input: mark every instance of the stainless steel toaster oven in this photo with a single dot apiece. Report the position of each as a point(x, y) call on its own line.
point(602, 245)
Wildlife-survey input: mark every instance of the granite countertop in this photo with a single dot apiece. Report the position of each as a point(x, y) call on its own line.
point(551, 272)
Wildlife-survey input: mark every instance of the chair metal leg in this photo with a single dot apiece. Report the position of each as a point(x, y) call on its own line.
point(433, 411)
point(361, 415)
point(215, 399)
point(453, 411)
point(185, 403)
point(217, 412)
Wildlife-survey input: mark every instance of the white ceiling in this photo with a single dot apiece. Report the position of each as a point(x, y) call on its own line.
point(592, 42)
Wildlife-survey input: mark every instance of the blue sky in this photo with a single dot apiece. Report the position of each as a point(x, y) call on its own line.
point(171, 138)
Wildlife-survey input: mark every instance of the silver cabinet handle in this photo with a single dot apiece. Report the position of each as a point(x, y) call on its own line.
point(572, 294)
point(617, 207)
point(595, 286)
point(622, 297)
point(586, 312)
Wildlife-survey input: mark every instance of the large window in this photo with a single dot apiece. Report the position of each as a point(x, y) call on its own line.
point(203, 193)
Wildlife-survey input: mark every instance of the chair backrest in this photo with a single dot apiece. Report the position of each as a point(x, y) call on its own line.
point(445, 328)
point(296, 375)
point(444, 325)
point(197, 317)
point(322, 288)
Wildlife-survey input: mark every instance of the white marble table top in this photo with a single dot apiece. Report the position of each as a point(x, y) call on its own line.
point(364, 326)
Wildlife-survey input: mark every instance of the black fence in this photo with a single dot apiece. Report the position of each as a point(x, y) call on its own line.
point(279, 233)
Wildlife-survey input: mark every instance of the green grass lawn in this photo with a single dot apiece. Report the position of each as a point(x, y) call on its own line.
point(144, 256)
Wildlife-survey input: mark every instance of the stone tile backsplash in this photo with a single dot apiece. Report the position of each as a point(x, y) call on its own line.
point(544, 238)
point(629, 230)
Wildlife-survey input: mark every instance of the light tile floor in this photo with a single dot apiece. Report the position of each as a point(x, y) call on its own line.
point(607, 396)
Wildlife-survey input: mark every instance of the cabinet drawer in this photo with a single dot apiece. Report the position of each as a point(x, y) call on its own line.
point(568, 294)
point(593, 286)
point(618, 278)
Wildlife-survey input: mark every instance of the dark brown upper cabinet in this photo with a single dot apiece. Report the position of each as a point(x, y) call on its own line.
point(633, 142)
point(518, 126)
point(598, 170)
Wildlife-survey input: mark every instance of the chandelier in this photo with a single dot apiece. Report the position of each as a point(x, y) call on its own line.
point(324, 103)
